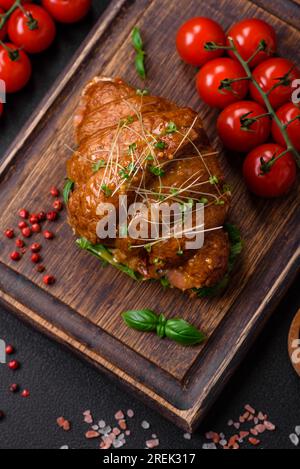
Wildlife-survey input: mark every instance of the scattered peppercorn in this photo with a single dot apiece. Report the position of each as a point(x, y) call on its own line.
point(58, 205)
point(20, 243)
point(10, 233)
point(22, 225)
point(54, 191)
point(14, 365)
point(25, 393)
point(36, 247)
point(42, 216)
point(40, 268)
point(49, 279)
point(2, 415)
point(14, 387)
point(26, 232)
point(36, 258)
point(36, 228)
point(33, 219)
point(9, 349)
point(24, 213)
point(48, 234)
point(15, 256)
point(52, 216)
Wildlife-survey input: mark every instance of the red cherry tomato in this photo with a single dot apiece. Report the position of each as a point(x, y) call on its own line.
point(67, 11)
point(267, 75)
point(287, 113)
point(34, 30)
point(7, 4)
point(15, 67)
point(230, 129)
point(209, 82)
point(248, 34)
point(192, 37)
point(280, 177)
point(3, 31)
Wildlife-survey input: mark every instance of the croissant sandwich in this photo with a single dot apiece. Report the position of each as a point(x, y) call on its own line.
point(153, 152)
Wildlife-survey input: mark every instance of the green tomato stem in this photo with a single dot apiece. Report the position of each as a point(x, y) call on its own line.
point(5, 16)
point(268, 105)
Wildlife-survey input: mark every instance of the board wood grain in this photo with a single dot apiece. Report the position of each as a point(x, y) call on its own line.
point(83, 308)
point(294, 342)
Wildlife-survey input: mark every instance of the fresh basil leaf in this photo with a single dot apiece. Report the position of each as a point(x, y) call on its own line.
point(164, 282)
point(142, 320)
point(137, 39)
point(69, 186)
point(183, 332)
point(140, 65)
point(214, 291)
point(105, 255)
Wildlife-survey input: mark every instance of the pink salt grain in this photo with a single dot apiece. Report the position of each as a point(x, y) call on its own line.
point(122, 424)
point(269, 426)
point(152, 443)
point(249, 409)
point(260, 428)
point(91, 434)
point(119, 415)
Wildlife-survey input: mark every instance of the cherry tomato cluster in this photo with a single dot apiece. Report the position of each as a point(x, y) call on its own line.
point(249, 119)
point(30, 29)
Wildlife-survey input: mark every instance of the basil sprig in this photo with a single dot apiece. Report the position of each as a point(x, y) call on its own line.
point(177, 329)
point(140, 53)
point(69, 185)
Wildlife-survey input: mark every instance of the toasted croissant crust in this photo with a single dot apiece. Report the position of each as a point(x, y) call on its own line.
point(116, 125)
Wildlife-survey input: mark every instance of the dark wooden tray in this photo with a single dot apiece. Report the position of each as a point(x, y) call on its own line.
point(83, 308)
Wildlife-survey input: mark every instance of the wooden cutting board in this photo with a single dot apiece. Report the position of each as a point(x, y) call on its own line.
point(294, 343)
point(83, 308)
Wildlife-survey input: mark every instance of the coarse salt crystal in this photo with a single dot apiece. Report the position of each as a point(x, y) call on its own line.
point(118, 444)
point(130, 413)
point(187, 436)
point(249, 409)
point(297, 430)
point(152, 443)
point(209, 446)
point(119, 415)
point(269, 426)
point(260, 428)
point(92, 434)
point(122, 424)
point(64, 447)
point(101, 424)
point(294, 439)
point(145, 425)
point(105, 430)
